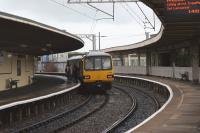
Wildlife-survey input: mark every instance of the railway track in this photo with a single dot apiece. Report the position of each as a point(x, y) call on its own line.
point(140, 103)
point(79, 117)
point(64, 119)
point(130, 111)
point(119, 106)
point(146, 103)
point(35, 126)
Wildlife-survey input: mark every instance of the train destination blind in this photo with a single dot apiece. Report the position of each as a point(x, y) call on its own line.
point(183, 8)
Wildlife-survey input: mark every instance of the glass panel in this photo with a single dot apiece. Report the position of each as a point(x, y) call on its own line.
point(97, 63)
point(89, 64)
point(18, 67)
point(106, 62)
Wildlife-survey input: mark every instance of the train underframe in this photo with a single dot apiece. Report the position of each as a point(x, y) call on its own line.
point(97, 85)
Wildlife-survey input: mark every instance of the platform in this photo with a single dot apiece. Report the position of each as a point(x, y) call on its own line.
point(182, 115)
point(43, 85)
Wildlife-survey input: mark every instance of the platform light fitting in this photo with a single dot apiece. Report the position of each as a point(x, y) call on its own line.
point(23, 46)
point(48, 44)
point(43, 49)
point(9, 55)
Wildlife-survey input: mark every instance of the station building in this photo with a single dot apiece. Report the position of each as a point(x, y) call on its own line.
point(22, 41)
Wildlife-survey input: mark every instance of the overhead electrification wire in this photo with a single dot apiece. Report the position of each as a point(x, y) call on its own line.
point(145, 16)
point(64, 5)
point(131, 15)
point(83, 5)
point(133, 12)
point(93, 24)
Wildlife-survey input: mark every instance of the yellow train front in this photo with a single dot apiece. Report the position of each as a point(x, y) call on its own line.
point(97, 71)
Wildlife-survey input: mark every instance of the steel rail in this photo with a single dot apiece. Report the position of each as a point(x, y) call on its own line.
point(130, 111)
point(133, 107)
point(53, 118)
point(45, 122)
point(156, 102)
point(85, 116)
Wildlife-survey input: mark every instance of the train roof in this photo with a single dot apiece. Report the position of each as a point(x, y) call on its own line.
point(75, 58)
point(97, 53)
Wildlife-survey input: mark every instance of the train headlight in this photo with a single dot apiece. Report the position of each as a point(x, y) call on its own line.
point(110, 76)
point(87, 77)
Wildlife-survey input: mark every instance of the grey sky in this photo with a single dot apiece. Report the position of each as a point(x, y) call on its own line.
point(81, 19)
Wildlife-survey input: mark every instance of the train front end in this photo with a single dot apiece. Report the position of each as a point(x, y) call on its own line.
point(98, 71)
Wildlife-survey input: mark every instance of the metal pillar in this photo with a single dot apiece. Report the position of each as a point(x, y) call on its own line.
point(195, 62)
point(139, 64)
point(122, 60)
point(94, 42)
point(148, 62)
point(99, 41)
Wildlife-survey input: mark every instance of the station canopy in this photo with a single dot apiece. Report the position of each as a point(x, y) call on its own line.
point(181, 19)
point(21, 35)
point(180, 23)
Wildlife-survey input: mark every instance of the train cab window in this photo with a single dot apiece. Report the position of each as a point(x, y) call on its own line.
point(97, 63)
point(89, 65)
point(106, 63)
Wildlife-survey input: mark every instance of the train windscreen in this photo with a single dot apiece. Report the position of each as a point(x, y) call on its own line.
point(98, 63)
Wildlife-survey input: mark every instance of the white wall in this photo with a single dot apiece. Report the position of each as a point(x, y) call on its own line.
point(130, 70)
point(8, 69)
point(155, 71)
point(168, 72)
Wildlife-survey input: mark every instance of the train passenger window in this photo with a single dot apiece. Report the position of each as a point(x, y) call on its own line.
point(89, 65)
point(97, 63)
point(106, 62)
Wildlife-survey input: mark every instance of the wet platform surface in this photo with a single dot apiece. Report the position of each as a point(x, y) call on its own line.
point(43, 85)
point(182, 115)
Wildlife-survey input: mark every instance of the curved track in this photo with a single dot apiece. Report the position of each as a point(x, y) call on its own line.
point(146, 103)
point(141, 104)
point(96, 104)
point(130, 111)
point(66, 119)
point(35, 126)
point(118, 107)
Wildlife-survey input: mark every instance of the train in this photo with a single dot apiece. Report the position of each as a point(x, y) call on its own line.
point(95, 70)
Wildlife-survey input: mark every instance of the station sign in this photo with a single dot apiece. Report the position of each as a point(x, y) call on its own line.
point(183, 8)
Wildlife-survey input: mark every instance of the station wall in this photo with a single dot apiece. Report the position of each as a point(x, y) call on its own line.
point(15, 67)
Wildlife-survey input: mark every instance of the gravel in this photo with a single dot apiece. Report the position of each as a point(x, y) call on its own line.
point(100, 112)
point(145, 108)
point(117, 107)
point(75, 100)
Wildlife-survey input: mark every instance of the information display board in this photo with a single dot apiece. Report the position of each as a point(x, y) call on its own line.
point(183, 8)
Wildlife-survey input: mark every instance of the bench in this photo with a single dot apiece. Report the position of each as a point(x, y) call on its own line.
point(185, 76)
point(12, 83)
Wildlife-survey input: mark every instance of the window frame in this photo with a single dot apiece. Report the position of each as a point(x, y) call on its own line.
point(93, 60)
